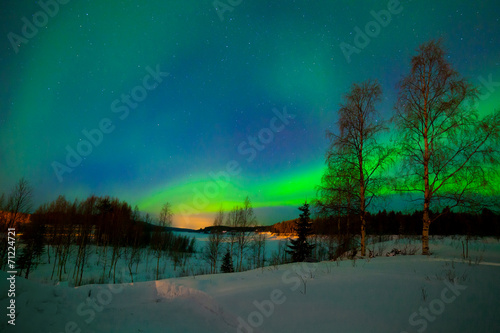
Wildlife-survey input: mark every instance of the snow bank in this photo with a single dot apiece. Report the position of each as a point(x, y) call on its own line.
point(440, 293)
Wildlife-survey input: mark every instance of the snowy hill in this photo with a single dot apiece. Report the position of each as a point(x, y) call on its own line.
point(440, 293)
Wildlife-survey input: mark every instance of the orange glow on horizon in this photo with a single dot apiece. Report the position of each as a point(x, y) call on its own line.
point(193, 221)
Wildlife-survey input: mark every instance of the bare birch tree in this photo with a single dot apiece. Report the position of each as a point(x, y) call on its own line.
point(445, 146)
point(215, 239)
point(338, 200)
point(166, 215)
point(246, 222)
point(233, 221)
point(18, 203)
point(356, 146)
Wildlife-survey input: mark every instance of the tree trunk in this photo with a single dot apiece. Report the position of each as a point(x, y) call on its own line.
point(28, 269)
point(158, 266)
point(427, 193)
point(114, 272)
point(241, 260)
point(363, 236)
point(362, 208)
point(82, 266)
point(425, 234)
point(131, 275)
point(362, 216)
point(48, 253)
point(426, 220)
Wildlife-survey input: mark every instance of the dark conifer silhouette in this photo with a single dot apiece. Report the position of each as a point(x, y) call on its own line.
point(227, 263)
point(300, 249)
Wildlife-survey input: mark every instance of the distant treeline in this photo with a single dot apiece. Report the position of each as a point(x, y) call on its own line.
point(102, 220)
point(228, 229)
point(393, 223)
point(64, 229)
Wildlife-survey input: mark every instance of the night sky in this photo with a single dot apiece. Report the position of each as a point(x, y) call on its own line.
point(175, 101)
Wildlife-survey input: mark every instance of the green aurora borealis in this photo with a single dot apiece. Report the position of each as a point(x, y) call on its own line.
point(225, 78)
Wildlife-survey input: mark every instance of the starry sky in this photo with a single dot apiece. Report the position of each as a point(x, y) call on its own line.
point(202, 103)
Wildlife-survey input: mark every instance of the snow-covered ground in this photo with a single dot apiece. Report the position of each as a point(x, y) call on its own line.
point(439, 293)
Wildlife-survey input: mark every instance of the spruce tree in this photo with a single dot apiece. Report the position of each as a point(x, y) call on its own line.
point(300, 249)
point(227, 263)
